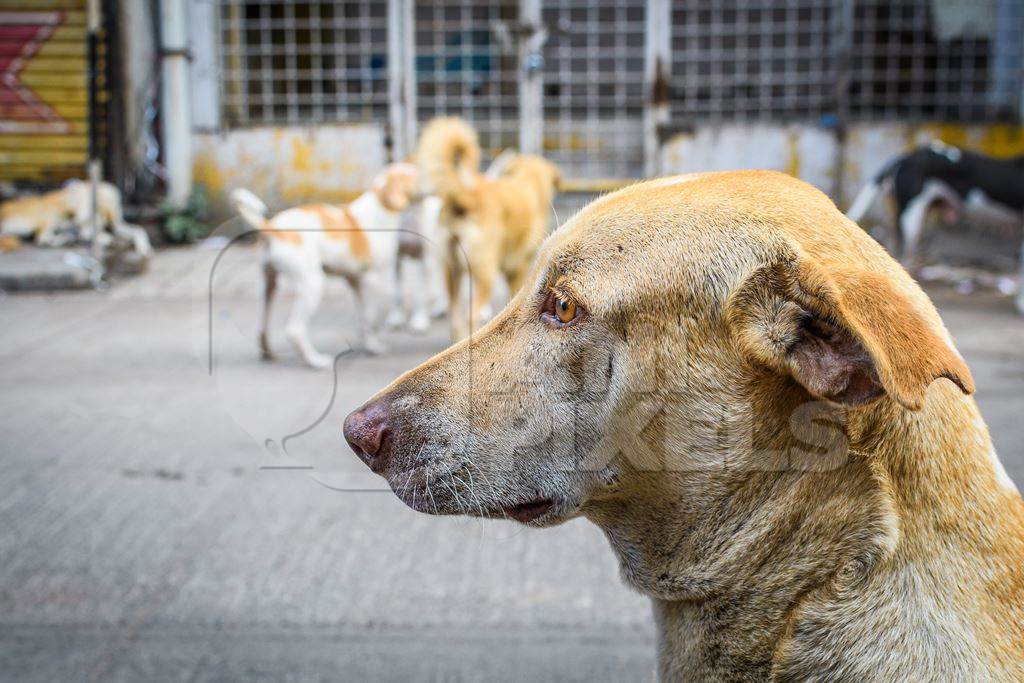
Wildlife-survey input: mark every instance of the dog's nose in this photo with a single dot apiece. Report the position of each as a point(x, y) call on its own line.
point(366, 431)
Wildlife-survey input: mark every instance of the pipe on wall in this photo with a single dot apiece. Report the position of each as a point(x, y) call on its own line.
point(176, 110)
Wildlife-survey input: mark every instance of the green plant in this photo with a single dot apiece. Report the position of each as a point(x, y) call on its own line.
point(186, 224)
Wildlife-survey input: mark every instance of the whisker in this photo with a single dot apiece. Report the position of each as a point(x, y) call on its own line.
point(490, 484)
point(455, 493)
point(426, 483)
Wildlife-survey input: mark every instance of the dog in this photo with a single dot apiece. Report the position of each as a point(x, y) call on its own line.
point(960, 182)
point(419, 252)
point(489, 226)
point(358, 242)
point(765, 416)
point(42, 217)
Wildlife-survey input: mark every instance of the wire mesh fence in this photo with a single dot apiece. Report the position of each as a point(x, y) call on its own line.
point(593, 86)
point(824, 62)
point(303, 62)
point(463, 69)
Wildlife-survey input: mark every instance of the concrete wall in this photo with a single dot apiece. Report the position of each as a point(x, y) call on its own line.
point(288, 165)
point(812, 153)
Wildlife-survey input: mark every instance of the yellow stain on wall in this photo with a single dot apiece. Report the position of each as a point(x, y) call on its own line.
point(997, 140)
point(302, 155)
point(299, 192)
point(793, 154)
point(206, 172)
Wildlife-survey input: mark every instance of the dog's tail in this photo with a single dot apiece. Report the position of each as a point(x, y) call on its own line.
point(866, 197)
point(500, 163)
point(449, 156)
point(250, 207)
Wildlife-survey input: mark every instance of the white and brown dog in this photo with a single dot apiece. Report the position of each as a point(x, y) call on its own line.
point(763, 413)
point(41, 217)
point(358, 242)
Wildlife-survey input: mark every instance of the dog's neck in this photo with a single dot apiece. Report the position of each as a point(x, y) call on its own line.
point(379, 224)
point(733, 558)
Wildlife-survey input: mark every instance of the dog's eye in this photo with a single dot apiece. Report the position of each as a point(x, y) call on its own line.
point(560, 311)
point(565, 310)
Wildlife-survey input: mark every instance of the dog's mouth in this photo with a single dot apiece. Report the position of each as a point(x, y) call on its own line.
point(441, 494)
point(527, 512)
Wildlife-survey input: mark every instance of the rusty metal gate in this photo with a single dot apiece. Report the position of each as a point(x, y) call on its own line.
point(43, 90)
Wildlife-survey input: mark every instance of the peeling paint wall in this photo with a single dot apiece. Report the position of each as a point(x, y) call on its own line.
point(812, 153)
point(806, 152)
point(288, 165)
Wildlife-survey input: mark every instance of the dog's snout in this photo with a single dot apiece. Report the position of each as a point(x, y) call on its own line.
point(366, 431)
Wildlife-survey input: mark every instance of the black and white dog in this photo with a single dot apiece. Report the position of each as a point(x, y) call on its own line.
point(959, 182)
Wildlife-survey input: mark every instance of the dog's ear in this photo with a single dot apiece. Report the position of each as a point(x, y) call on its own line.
point(395, 186)
point(846, 336)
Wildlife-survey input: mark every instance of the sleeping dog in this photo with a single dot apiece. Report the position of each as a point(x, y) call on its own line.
point(959, 181)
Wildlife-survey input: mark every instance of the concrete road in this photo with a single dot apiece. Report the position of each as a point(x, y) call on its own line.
point(158, 524)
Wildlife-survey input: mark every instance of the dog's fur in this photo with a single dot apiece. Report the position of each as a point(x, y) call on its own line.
point(41, 217)
point(763, 413)
point(358, 242)
point(490, 226)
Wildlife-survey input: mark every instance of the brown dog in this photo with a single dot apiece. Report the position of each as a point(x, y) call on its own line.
point(764, 414)
point(489, 226)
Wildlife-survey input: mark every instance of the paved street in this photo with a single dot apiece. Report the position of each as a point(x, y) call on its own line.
point(161, 524)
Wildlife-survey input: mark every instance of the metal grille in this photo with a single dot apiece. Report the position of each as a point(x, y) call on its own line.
point(937, 59)
point(752, 59)
point(462, 68)
point(593, 86)
point(301, 62)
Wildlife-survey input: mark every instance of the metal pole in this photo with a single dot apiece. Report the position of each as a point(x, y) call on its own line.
point(176, 106)
point(657, 65)
point(844, 47)
point(529, 44)
point(94, 169)
point(396, 84)
point(409, 67)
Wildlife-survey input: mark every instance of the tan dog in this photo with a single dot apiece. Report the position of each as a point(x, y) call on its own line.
point(40, 217)
point(490, 226)
point(763, 413)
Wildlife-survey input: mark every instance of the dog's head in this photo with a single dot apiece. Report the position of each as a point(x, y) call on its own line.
point(397, 186)
point(666, 329)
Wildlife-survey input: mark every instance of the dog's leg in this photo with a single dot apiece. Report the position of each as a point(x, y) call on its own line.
point(1020, 284)
point(419, 318)
point(135, 234)
point(453, 274)
point(372, 293)
point(269, 287)
point(911, 225)
point(309, 292)
point(483, 278)
point(396, 311)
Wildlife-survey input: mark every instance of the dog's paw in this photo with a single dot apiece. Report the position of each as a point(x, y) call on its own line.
point(395, 319)
point(319, 361)
point(419, 322)
point(375, 346)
